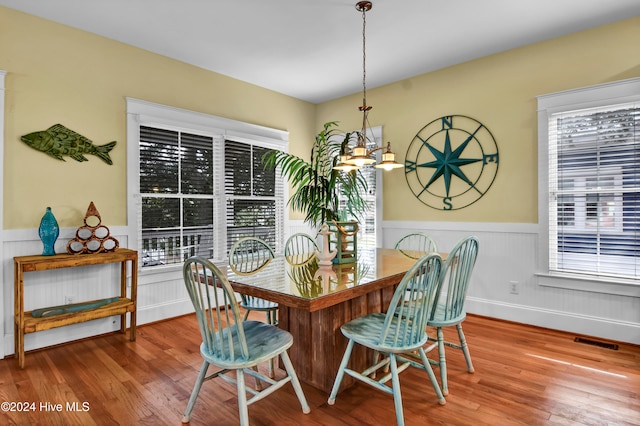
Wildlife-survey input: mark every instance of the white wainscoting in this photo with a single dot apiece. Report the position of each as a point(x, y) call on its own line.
point(508, 252)
point(161, 295)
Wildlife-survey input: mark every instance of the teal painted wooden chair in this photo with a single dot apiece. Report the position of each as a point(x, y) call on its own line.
point(233, 345)
point(402, 330)
point(248, 255)
point(416, 244)
point(449, 309)
point(300, 248)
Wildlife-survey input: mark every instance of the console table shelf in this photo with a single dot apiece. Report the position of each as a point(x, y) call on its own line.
point(26, 323)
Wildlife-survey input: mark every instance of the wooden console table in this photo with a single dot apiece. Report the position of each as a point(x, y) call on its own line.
point(25, 322)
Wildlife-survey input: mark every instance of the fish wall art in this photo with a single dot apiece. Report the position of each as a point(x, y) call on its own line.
point(58, 141)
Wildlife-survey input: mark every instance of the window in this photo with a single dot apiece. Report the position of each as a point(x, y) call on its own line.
point(369, 231)
point(592, 180)
point(176, 188)
point(198, 184)
point(369, 228)
point(254, 199)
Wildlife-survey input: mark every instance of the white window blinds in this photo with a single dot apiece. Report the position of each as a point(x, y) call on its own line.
point(181, 185)
point(594, 191)
point(176, 188)
point(254, 197)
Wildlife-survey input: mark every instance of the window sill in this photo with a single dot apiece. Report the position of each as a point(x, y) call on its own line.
point(621, 287)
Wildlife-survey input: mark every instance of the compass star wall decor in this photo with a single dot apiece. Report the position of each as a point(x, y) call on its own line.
point(451, 162)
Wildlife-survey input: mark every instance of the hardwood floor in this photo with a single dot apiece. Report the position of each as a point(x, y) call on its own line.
point(524, 376)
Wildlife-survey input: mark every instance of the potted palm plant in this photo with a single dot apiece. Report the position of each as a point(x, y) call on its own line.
point(322, 193)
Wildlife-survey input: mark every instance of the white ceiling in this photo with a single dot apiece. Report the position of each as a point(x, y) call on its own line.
point(312, 49)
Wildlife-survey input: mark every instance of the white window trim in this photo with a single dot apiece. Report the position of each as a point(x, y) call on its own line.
point(618, 92)
point(148, 113)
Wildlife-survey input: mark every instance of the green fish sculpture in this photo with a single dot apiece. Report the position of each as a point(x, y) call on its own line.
point(57, 141)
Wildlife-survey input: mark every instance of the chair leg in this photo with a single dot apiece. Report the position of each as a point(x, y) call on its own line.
point(272, 369)
point(271, 320)
point(295, 382)
point(246, 314)
point(272, 317)
point(376, 358)
point(432, 376)
point(465, 348)
point(397, 395)
point(442, 362)
point(242, 398)
point(340, 375)
point(257, 381)
point(194, 393)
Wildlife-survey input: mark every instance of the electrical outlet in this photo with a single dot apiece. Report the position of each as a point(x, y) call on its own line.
point(68, 300)
point(514, 287)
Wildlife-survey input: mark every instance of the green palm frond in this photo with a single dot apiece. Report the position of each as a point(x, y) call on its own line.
point(317, 187)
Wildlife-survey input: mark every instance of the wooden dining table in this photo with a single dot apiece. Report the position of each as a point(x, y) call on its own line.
point(314, 301)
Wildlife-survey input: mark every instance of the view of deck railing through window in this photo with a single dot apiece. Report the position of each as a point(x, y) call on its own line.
point(594, 183)
point(176, 185)
point(200, 194)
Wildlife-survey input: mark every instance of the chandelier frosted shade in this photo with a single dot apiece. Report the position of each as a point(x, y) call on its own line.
point(344, 164)
point(388, 160)
point(360, 157)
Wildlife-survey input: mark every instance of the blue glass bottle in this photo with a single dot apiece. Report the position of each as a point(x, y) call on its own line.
point(48, 232)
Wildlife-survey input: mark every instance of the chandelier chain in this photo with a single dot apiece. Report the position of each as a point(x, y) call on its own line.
point(364, 57)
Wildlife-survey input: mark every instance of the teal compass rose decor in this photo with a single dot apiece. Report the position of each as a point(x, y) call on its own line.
point(451, 162)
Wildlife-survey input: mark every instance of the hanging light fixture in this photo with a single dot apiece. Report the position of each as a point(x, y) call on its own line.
point(359, 155)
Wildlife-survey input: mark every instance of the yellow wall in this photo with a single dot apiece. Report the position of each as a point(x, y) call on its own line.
point(57, 74)
point(500, 91)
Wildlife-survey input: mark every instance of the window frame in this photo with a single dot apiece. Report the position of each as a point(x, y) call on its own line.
point(619, 92)
point(143, 113)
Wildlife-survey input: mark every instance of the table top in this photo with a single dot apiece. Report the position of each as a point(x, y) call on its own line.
point(312, 287)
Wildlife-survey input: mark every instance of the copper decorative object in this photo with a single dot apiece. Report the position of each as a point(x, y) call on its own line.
point(93, 237)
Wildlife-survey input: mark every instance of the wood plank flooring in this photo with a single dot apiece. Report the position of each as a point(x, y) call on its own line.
point(524, 376)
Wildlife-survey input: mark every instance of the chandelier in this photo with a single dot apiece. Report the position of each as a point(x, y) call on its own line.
point(359, 155)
